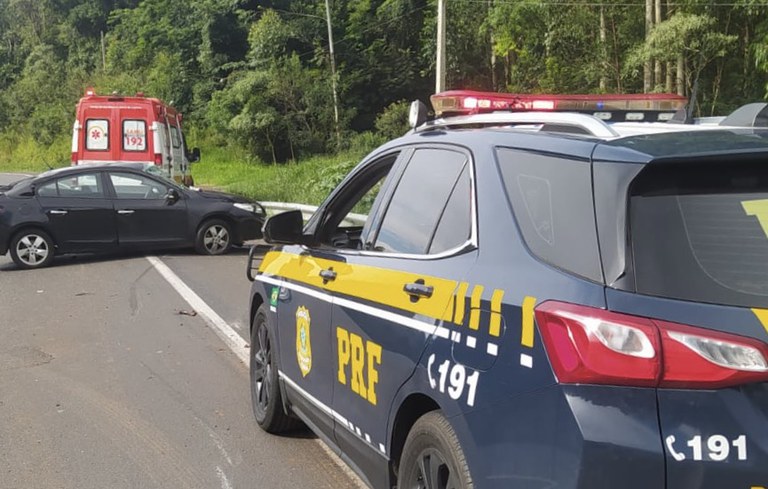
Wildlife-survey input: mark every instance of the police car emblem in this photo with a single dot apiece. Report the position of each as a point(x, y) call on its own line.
point(303, 345)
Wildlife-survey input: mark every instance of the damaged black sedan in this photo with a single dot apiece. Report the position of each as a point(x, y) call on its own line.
point(116, 207)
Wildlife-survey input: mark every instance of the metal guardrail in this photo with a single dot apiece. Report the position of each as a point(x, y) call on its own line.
point(278, 207)
point(307, 211)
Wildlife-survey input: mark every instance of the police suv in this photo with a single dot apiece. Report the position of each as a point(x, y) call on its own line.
point(507, 298)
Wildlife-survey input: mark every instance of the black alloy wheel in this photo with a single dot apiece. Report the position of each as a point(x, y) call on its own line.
point(432, 457)
point(265, 392)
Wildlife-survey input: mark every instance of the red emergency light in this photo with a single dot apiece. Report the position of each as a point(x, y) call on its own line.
point(604, 106)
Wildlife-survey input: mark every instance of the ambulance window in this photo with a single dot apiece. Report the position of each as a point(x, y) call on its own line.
point(410, 224)
point(134, 135)
point(175, 137)
point(97, 134)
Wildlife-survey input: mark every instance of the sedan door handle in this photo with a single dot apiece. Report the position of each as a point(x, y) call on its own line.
point(58, 212)
point(125, 211)
point(418, 289)
point(327, 275)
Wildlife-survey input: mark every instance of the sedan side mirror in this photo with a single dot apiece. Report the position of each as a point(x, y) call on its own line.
point(172, 196)
point(285, 228)
point(194, 155)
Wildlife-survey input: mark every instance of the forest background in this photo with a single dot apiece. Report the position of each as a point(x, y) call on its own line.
point(254, 77)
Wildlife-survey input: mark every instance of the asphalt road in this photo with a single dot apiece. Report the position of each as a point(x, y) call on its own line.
point(108, 381)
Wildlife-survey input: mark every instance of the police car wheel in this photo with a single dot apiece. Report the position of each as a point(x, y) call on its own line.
point(265, 392)
point(213, 238)
point(432, 457)
point(32, 248)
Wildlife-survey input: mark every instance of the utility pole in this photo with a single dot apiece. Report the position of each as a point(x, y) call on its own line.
point(333, 74)
point(440, 62)
point(103, 53)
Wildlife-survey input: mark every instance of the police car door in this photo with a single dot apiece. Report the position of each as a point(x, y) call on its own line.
point(304, 300)
point(397, 291)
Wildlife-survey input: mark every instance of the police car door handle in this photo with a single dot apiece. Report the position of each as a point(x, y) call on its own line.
point(57, 212)
point(418, 290)
point(327, 275)
point(125, 211)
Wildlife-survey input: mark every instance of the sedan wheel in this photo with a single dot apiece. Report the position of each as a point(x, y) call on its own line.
point(213, 238)
point(32, 249)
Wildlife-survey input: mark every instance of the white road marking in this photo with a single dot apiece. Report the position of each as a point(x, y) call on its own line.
point(223, 330)
point(237, 345)
point(223, 478)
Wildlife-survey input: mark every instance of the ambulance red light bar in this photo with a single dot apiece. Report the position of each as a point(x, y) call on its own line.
point(609, 107)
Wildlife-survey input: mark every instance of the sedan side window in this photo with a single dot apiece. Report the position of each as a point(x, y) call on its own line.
point(86, 186)
point(430, 209)
point(130, 186)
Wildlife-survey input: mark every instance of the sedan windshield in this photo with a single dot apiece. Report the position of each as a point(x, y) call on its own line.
point(157, 172)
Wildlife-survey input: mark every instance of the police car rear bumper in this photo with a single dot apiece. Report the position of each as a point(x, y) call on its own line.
point(580, 437)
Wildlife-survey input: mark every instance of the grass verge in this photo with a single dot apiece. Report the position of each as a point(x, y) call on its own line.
point(306, 182)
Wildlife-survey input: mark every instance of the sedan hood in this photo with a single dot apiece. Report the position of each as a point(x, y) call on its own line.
point(212, 194)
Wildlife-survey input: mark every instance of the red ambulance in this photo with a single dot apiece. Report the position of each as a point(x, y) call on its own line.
point(116, 129)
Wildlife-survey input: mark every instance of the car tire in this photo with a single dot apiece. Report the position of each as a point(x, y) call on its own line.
point(214, 237)
point(266, 399)
point(432, 457)
point(32, 248)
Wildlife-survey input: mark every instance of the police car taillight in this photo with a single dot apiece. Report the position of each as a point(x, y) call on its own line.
point(586, 345)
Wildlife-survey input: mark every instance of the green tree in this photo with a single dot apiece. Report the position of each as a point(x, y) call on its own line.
point(690, 36)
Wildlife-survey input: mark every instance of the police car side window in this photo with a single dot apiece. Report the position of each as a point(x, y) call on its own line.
point(349, 217)
point(455, 224)
point(551, 198)
point(423, 196)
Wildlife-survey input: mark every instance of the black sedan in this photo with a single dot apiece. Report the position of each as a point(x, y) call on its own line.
point(112, 207)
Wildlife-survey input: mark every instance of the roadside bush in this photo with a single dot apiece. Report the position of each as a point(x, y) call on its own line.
point(393, 121)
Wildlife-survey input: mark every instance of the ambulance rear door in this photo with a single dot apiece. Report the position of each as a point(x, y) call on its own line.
point(96, 122)
point(133, 122)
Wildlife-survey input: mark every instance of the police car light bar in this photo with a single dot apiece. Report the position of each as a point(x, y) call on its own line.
point(651, 107)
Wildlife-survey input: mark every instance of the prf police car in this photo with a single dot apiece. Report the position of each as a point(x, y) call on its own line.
point(530, 300)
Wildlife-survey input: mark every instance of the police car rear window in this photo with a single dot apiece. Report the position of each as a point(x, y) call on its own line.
point(700, 233)
point(551, 197)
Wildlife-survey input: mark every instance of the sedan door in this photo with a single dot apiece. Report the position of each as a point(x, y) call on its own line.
point(80, 215)
point(146, 217)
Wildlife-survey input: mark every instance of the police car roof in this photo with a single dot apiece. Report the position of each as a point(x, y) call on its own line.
point(584, 136)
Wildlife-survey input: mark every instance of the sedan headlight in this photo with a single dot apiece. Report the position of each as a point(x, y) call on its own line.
point(245, 207)
point(255, 208)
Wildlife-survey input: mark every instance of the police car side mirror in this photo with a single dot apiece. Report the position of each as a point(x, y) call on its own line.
point(285, 228)
point(417, 115)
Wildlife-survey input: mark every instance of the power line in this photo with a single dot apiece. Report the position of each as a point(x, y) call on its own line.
point(570, 3)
